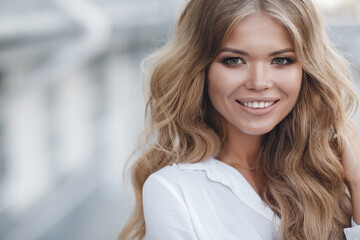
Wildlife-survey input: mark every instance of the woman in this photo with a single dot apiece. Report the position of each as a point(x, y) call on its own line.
point(248, 135)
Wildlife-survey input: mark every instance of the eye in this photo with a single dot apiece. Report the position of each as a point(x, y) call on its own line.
point(281, 61)
point(233, 61)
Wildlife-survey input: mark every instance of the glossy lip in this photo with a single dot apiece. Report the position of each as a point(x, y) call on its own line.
point(257, 99)
point(258, 111)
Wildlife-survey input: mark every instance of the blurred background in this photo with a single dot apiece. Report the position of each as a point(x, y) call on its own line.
point(71, 107)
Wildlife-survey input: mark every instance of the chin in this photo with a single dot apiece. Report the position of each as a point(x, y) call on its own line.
point(259, 131)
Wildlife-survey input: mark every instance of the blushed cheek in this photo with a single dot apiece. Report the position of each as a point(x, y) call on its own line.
point(297, 80)
point(224, 83)
point(218, 91)
point(290, 82)
point(216, 82)
point(215, 91)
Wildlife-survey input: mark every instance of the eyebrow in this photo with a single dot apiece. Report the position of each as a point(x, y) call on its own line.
point(247, 54)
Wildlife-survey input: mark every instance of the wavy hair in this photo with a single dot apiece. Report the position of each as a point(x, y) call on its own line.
point(301, 173)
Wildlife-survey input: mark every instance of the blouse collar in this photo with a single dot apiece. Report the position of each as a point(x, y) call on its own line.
point(227, 175)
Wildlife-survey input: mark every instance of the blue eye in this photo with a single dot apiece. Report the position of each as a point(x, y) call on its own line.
point(281, 61)
point(233, 61)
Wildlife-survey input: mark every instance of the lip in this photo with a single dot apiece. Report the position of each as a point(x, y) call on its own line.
point(258, 111)
point(257, 99)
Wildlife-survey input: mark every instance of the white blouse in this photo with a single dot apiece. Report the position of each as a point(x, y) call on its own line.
point(208, 200)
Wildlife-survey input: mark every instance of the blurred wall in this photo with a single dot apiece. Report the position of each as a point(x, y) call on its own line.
point(71, 107)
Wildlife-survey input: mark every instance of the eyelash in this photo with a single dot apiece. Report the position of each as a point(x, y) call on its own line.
point(288, 61)
point(227, 59)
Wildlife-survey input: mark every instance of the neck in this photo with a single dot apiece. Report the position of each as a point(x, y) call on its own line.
point(240, 149)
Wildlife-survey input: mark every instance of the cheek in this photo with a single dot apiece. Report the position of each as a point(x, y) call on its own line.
point(222, 82)
point(290, 82)
point(217, 83)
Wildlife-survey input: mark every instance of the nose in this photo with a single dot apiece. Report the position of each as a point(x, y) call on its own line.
point(258, 77)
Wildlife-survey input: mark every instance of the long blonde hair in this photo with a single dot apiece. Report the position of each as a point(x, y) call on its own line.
point(301, 173)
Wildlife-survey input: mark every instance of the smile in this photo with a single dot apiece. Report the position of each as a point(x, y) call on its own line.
point(257, 104)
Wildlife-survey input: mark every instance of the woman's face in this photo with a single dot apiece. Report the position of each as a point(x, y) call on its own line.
point(255, 80)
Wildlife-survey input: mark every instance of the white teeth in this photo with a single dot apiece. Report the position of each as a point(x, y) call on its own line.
point(257, 104)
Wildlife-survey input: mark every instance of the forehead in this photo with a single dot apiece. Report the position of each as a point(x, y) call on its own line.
point(258, 30)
